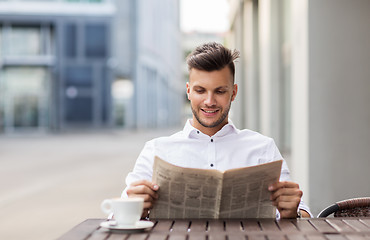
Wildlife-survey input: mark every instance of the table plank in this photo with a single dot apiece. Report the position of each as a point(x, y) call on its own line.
point(216, 236)
point(251, 225)
point(234, 226)
point(99, 234)
point(163, 226)
point(198, 225)
point(256, 237)
point(269, 225)
point(177, 237)
point(294, 236)
point(82, 230)
point(275, 237)
point(116, 236)
point(287, 226)
point(304, 225)
point(322, 226)
point(181, 226)
point(335, 237)
point(357, 225)
point(236, 236)
point(357, 237)
point(157, 236)
point(366, 221)
point(198, 236)
point(138, 236)
point(215, 225)
point(339, 225)
point(316, 237)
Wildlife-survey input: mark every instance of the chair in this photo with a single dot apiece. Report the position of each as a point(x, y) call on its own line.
point(355, 207)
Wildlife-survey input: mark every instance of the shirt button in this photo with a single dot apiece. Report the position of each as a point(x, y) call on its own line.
point(198, 132)
point(211, 140)
point(211, 164)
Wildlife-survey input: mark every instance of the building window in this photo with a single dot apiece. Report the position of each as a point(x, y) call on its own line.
point(70, 40)
point(79, 94)
point(79, 109)
point(25, 98)
point(80, 76)
point(23, 41)
point(95, 41)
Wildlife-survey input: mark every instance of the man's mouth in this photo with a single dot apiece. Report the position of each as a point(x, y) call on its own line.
point(209, 111)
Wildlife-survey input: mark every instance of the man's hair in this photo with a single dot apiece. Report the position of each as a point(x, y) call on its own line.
point(212, 56)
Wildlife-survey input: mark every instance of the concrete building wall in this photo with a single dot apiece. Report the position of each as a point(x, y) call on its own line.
point(123, 41)
point(299, 160)
point(339, 94)
point(158, 77)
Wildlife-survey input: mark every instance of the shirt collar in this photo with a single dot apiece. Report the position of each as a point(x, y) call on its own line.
point(191, 132)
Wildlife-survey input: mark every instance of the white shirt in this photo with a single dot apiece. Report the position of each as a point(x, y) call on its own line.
point(228, 148)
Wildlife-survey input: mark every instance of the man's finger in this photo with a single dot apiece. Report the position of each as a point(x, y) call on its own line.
point(147, 197)
point(295, 199)
point(147, 183)
point(287, 204)
point(141, 189)
point(286, 192)
point(285, 184)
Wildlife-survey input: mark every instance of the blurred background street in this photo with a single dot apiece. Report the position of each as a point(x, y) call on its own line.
point(50, 183)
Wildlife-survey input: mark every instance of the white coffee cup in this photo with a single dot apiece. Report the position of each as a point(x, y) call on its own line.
point(127, 211)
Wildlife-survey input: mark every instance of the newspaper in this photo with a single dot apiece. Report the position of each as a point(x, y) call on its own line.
point(206, 193)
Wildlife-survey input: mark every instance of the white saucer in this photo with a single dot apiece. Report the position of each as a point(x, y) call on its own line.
point(140, 225)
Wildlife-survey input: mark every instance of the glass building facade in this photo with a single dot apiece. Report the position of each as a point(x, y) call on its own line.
point(58, 69)
point(53, 65)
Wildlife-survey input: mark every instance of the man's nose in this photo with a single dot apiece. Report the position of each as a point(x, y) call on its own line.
point(210, 100)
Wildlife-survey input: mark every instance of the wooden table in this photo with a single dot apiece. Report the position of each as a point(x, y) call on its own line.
point(246, 229)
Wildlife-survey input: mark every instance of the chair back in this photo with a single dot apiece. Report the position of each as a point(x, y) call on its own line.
point(354, 207)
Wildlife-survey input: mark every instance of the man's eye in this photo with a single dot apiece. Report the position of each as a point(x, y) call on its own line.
point(199, 91)
point(220, 92)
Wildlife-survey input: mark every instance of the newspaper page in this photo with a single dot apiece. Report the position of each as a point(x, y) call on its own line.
point(205, 193)
point(186, 192)
point(245, 191)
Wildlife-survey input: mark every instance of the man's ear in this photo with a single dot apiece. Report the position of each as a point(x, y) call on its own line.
point(235, 91)
point(187, 89)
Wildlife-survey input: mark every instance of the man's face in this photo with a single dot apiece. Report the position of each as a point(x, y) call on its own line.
point(210, 95)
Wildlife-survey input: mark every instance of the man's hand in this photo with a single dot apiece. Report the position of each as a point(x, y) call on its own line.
point(286, 196)
point(144, 189)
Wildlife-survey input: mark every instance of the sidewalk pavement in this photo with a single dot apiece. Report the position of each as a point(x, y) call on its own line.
point(50, 183)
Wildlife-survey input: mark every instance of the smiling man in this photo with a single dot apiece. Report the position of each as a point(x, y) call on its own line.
point(210, 140)
point(210, 95)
